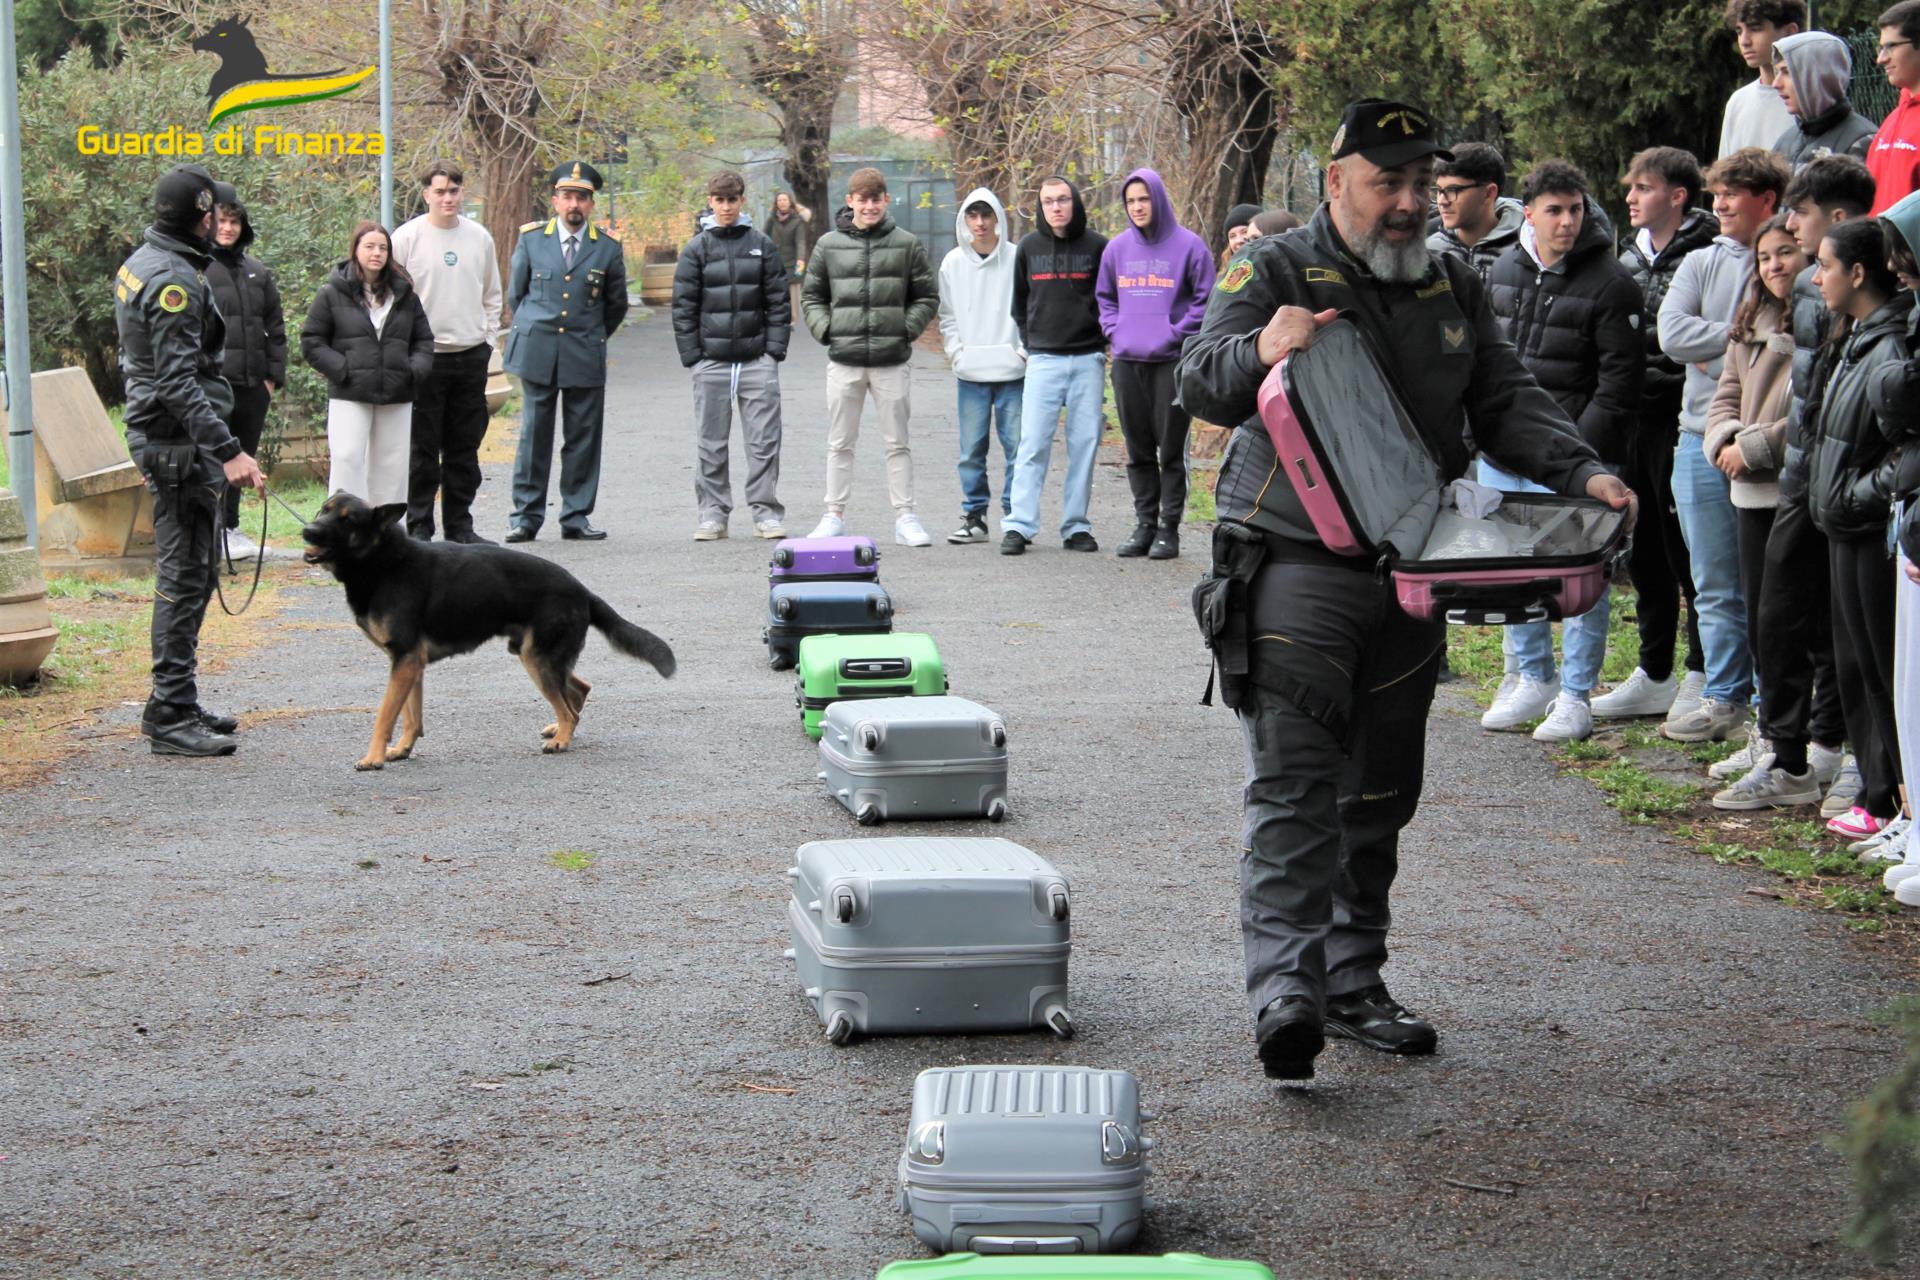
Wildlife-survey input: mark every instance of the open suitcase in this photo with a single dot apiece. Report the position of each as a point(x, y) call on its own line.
point(848, 559)
point(938, 757)
point(1027, 1160)
point(796, 610)
point(903, 664)
point(1372, 487)
point(1043, 1266)
point(920, 934)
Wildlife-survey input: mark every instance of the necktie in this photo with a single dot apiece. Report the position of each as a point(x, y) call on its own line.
point(568, 248)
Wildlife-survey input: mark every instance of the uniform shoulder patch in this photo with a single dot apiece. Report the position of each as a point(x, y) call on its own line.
point(1323, 275)
point(530, 226)
point(172, 299)
point(1434, 290)
point(1236, 277)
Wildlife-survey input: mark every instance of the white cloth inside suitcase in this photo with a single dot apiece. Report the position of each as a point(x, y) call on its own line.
point(1514, 527)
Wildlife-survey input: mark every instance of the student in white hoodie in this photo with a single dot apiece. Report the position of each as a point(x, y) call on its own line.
point(983, 346)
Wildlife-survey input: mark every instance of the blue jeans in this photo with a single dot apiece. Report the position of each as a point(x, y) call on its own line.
point(1712, 532)
point(1078, 384)
point(979, 402)
point(1530, 644)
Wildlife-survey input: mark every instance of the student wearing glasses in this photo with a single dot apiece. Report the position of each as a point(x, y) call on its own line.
point(1478, 221)
point(1894, 156)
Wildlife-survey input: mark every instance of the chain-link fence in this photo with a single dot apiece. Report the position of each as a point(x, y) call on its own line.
point(1872, 96)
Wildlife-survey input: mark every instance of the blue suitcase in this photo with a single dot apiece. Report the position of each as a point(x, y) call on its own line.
point(796, 610)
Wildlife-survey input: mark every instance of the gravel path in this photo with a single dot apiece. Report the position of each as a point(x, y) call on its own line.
point(272, 1017)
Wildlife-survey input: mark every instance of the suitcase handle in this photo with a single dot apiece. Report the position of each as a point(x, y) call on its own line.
point(1513, 596)
point(875, 668)
point(1024, 1244)
point(1498, 617)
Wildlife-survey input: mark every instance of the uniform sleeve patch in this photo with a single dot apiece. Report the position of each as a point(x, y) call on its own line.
point(1434, 290)
point(1323, 275)
point(1237, 276)
point(173, 299)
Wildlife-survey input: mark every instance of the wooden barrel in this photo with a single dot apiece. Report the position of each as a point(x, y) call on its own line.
point(656, 283)
point(27, 632)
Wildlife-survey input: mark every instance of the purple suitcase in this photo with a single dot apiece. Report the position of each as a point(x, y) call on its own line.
point(848, 559)
point(1371, 487)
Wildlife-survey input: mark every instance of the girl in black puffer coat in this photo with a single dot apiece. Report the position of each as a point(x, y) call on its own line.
point(256, 358)
point(367, 335)
point(1849, 500)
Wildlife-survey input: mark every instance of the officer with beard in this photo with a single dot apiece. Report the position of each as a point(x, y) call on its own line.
point(1331, 679)
point(172, 342)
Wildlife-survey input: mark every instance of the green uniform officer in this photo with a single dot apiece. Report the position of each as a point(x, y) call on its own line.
point(568, 293)
point(172, 342)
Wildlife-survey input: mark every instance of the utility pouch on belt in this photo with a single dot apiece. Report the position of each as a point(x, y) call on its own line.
point(172, 467)
point(1220, 607)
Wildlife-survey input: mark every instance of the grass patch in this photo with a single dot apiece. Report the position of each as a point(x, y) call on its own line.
point(572, 859)
point(1200, 504)
point(1638, 794)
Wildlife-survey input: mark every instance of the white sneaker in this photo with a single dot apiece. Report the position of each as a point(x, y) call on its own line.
point(830, 526)
point(1527, 701)
point(1825, 763)
point(909, 532)
point(710, 531)
point(1738, 764)
point(1686, 699)
point(240, 546)
point(1638, 695)
point(1569, 719)
point(1899, 871)
point(1907, 892)
point(1711, 720)
point(769, 529)
point(1765, 787)
point(1843, 790)
point(1888, 844)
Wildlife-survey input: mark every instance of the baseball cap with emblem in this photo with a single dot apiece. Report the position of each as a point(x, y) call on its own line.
point(576, 175)
point(1388, 134)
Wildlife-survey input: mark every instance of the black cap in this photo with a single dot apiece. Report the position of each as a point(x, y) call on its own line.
point(1241, 214)
point(576, 175)
point(181, 198)
point(1389, 134)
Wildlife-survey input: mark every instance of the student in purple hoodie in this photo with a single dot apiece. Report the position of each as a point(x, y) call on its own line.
point(1154, 280)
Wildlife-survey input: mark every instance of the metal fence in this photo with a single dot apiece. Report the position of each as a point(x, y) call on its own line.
point(1872, 96)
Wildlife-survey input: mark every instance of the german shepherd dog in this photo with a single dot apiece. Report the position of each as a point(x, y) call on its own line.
point(422, 602)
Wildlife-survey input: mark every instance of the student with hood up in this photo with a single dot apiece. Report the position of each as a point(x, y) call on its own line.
point(1154, 280)
point(983, 347)
point(1811, 72)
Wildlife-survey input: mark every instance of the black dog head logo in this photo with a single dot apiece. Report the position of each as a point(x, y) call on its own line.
point(242, 63)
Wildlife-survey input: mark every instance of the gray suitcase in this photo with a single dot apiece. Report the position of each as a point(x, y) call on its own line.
point(920, 934)
point(891, 758)
point(1025, 1160)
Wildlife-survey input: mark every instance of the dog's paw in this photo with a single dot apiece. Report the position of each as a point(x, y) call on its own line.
point(550, 730)
point(371, 762)
point(399, 753)
point(553, 746)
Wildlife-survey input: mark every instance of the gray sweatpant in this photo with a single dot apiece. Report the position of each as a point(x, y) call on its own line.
point(756, 385)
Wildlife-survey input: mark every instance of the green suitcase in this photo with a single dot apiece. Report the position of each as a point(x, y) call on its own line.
point(900, 665)
point(1110, 1266)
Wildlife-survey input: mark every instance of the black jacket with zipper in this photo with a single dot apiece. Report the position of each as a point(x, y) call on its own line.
point(1665, 380)
point(1578, 331)
point(339, 341)
point(1849, 487)
point(731, 302)
point(249, 299)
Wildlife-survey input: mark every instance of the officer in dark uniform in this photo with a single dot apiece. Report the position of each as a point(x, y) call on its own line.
point(172, 341)
point(568, 293)
point(1331, 679)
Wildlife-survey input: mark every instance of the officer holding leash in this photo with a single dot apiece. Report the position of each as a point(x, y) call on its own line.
point(172, 342)
point(1331, 679)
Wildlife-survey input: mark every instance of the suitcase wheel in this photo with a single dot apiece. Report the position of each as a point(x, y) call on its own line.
point(1061, 1023)
point(1057, 903)
point(839, 1027)
point(997, 811)
point(843, 905)
point(868, 815)
point(869, 737)
point(999, 734)
point(780, 660)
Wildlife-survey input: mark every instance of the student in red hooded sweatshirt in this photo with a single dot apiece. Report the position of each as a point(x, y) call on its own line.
point(1894, 156)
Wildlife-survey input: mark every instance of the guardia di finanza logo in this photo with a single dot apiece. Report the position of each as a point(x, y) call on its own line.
point(243, 83)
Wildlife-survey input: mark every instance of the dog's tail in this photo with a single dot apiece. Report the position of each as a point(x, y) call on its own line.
point(635, 642)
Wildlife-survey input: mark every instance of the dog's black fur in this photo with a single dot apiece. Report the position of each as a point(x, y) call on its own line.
point(424, 601)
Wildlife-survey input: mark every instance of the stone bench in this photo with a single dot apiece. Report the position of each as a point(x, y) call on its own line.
point(92, 500)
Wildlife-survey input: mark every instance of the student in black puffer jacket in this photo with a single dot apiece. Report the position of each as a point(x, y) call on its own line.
point(1847, 444)
point(256, 360)
point(367, 335)
point(1573, 314)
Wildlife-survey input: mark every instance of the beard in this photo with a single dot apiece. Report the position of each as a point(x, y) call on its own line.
point(1404, 263)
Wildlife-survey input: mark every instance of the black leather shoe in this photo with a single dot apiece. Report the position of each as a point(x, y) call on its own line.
point(1013, 544)
point(1137, 542)
point(1166, 544)
point(186, 735)
point(216, 722)
point(1375, 1020)
point(422, 533)
point(467, 537)
point(583, 533)
point(1290, 1037)
point(1081, 541)
point(520, 533)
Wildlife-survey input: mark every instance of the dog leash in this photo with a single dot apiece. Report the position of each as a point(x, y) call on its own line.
point(259, 553)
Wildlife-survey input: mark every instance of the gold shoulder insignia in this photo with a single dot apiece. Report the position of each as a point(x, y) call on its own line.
point(1323, 275)
point(133, 282)
point(531, 226)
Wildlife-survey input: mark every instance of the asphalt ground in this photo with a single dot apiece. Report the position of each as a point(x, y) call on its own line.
point(495, 1013)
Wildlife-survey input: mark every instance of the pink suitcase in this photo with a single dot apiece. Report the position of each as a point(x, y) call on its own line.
point(1371, 487)
point(848, 559)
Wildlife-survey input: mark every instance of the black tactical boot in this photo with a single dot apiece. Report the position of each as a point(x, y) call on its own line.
point(179, 731)
point(1137, 542)
point(215, 722)
point(1372, 1018)
point(1166, 543)
point(1290, 1038)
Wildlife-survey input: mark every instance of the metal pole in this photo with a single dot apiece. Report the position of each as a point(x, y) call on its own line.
point(13, 271)
point(386, 114)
